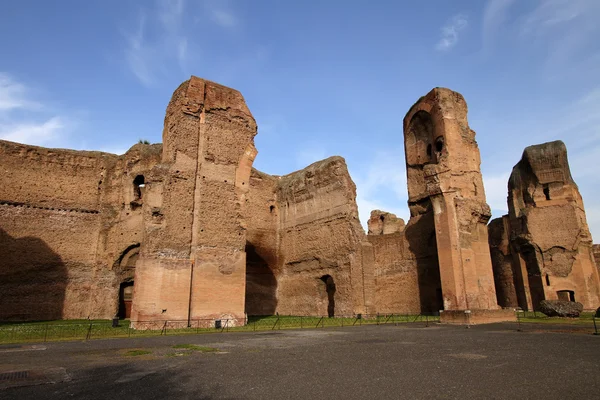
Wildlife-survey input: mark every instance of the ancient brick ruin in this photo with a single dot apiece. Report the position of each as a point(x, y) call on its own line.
point(542, 250)
point(188, 230)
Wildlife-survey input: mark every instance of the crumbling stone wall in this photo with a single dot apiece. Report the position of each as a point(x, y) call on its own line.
point(549, 236)
point(396, 286)
point(447, 230)
point(64, 220)
point(383, 223)
point(320, 237)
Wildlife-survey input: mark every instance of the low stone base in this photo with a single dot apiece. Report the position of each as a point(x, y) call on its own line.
point(474, 317)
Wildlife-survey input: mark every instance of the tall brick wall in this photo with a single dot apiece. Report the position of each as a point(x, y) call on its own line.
point(397, 284)
point(193, 262)
point(320, 236)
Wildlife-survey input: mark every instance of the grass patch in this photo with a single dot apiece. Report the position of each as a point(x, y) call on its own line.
point(137, 352)
point(195, 347)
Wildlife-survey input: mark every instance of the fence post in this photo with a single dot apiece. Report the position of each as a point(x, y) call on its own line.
point(595, 326)
point(301, 322)
point(46, 332)
point(89, 332)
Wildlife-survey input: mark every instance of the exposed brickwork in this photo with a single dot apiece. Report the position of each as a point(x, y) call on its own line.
point(549, 253)
point(199, 233)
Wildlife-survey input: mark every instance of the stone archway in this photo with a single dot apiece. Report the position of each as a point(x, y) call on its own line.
point(125, 272)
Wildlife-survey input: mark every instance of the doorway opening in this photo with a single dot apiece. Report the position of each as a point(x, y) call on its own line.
point(125, 299)
point(330, 289)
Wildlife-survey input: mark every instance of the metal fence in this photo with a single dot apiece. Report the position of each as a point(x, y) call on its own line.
point(44, 332)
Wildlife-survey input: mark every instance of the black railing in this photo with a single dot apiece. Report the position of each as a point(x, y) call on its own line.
point(65, 330)
point(52, 331)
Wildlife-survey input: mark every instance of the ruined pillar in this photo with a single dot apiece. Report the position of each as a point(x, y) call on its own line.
point(549, 231)
point(449, 212)
point(192, 261)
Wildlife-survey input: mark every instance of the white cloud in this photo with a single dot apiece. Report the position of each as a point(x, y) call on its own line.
point(158, 40)
point(36, 128)
point(42, 133)
point(450, 32)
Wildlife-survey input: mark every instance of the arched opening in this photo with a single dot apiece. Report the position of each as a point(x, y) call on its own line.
point(125, 271)
point(125, 299)
point(419, 140)
point(330, 289)
point(138, 184)
point(261, 285)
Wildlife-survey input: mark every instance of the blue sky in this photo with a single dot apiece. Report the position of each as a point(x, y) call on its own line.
point(321, 78)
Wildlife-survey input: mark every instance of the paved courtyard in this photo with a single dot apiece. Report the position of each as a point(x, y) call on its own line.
point(384, 362)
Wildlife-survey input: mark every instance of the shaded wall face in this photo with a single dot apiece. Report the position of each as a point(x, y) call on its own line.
point(49, 218)
point(502, 262)
point(262, 258)
point(423, 148)
point(319, 236)
point(549, 228)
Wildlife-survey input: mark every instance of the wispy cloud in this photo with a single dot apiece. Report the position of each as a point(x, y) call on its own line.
point(13, 95)
point(381, 184)
point(223, 18)
point(450, 32)
point(157, 40)
point(23, 120)
point(42, 133)
point(494, 15)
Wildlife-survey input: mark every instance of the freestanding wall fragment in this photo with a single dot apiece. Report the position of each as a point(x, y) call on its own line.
point(549, 236)
point(192, 262)
point(447, 229)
